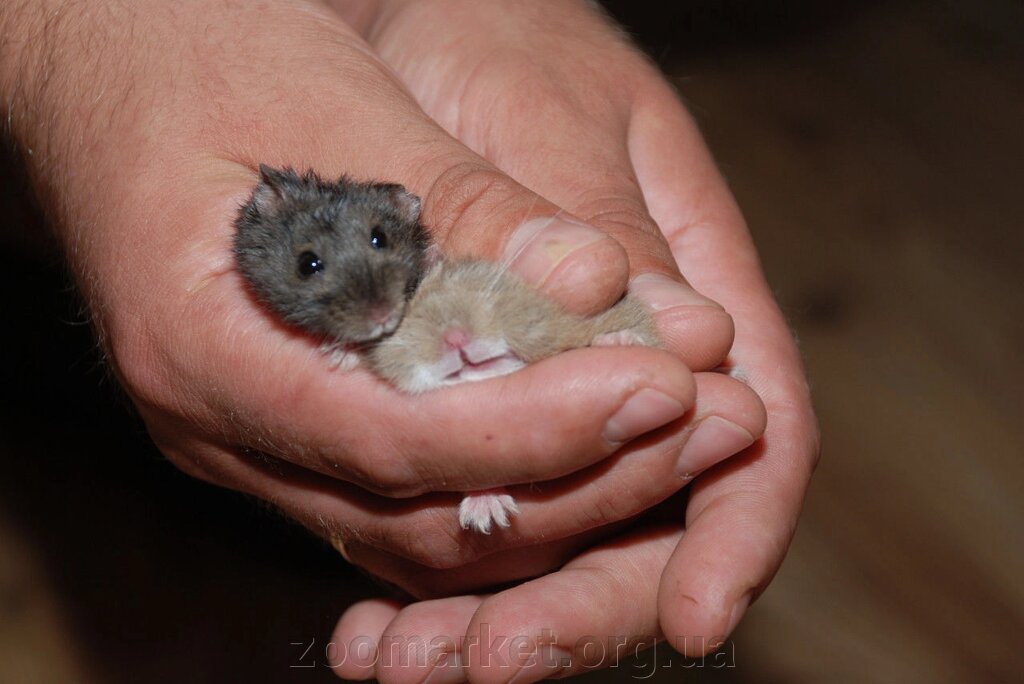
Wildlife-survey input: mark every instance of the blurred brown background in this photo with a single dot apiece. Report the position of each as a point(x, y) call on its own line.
point(877, 151)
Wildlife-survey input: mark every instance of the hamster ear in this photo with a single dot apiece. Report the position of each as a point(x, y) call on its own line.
point(406, 204)
point(273, 188)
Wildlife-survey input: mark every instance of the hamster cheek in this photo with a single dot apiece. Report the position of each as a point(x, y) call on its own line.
point(483, 349)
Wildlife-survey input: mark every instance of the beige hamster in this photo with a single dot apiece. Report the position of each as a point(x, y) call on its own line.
point(471, 320)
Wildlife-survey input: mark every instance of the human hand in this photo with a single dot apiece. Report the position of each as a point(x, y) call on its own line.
point(143, 124)
point(607, 114)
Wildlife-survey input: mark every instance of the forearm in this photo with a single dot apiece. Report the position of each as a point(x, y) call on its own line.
point(68, 78)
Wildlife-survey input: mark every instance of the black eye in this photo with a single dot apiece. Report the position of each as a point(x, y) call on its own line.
point(378, 238)
point(309, 263)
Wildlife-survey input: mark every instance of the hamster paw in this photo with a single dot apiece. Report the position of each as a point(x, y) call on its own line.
point(479, 509)
point(339, 358)
point(631, 337)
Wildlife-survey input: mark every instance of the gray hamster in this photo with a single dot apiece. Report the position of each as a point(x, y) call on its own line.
point(338, 259)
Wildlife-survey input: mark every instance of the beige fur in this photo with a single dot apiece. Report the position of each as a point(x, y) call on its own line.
point(507, 320)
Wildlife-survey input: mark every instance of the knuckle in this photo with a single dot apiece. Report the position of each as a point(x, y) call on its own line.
point(618, 209)
point(466, 198)
point(389, 476)
point(135, 359)
point(436, 542)
point(609, 508)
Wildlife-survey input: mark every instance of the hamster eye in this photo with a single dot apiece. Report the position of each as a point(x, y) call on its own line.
point(378, 238)
point(309, 263)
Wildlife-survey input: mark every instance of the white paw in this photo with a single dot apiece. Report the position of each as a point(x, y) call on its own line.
point(621, 338)
point(339, 358)
point(479, 510)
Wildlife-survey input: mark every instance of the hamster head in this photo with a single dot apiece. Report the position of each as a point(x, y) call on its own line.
point(337, 259)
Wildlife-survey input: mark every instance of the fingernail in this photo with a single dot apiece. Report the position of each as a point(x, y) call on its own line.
point(554, 660)
point(448, 670)
point(739, 609)
point(660, 292)
point(642, 412)
point(538, 246)
point(714, 440)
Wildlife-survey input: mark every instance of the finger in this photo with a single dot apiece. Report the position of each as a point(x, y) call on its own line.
point(423, 642)
point(695, 329)
point(355, 427)
point(354, 652)
point(396, 539)
point(741, 515)
point(418, 543)
point(570, 621)
point(574, 106)
point(740, 520)
point(557, 625)
point(498, 569)
point(706, 232)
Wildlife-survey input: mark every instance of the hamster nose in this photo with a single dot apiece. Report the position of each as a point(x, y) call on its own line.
point(456, 338)
point(380, 313)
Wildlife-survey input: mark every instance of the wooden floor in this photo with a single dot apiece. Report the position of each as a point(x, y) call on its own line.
point(877, 151)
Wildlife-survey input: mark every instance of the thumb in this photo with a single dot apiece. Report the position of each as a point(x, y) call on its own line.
point(473, 209)
point(378, 132)
point(326, 102)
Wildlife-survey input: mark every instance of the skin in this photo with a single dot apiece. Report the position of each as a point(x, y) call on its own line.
point(111, 104)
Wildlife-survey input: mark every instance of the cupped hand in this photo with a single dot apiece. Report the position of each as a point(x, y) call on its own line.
point(555, 96)
point(142, 125)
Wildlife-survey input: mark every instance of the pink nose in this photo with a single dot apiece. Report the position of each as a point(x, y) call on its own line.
point(380, 313)
point(456, 338)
